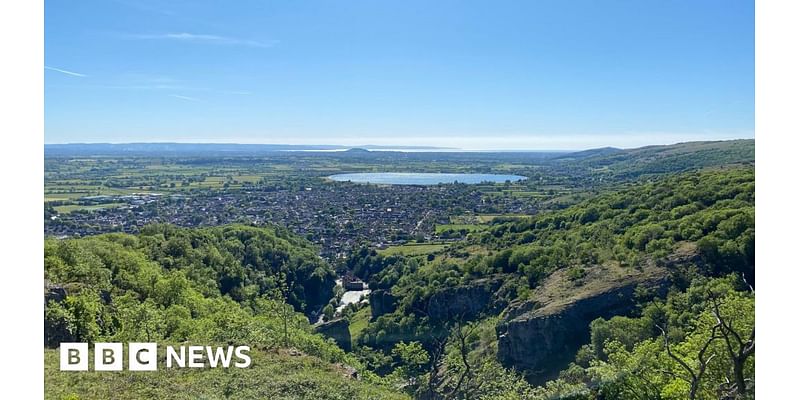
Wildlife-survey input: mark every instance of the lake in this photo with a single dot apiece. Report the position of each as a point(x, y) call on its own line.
point(418, 178)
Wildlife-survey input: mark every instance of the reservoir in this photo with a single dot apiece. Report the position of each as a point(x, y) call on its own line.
point(417, 178)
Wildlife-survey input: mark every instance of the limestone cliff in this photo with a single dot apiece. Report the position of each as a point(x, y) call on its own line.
point(464, 302)
point(540, 336)
point(338, 330)
point(381, 302)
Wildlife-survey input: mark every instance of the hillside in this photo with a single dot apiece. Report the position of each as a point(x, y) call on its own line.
point(548, 277)
point(223, 285)
point(284, 375)
point(630, 163)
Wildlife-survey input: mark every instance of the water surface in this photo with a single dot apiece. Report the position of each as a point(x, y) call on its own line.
point(419, 178)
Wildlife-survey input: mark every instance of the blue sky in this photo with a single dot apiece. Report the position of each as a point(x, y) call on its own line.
point(549, 74)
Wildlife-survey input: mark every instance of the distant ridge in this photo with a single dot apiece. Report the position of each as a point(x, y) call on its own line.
point(83, 149)
point(661, 159)
point(602, 151)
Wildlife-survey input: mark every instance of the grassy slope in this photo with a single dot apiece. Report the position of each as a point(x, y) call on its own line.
point(359, 321)
point(412, 249)
point(271, 376)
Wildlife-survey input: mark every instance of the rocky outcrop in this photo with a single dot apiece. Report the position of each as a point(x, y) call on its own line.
point(464, 302)
point(381, 302)
point(541, 336)
point(348, 371)
point(338, 330)
point(54, 293)
point(56, 327)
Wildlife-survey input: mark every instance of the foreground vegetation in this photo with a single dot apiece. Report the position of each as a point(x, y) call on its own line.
point(229, 285)
point(273, 375)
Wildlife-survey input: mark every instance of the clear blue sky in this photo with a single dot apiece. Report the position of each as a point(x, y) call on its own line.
point(550, 74)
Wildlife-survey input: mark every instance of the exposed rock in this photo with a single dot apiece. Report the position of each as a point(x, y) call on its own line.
point(381, 302)
point(56, 327)
point(464, 301)
point(105, 297)
point(54, 293)
point(348, 371)
point(292, 352)
point(338, 330)
point(540, 336)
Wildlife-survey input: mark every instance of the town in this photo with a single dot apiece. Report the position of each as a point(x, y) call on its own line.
point(336, 216)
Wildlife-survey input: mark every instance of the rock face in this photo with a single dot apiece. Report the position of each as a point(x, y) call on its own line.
point(56, 329)
point(338, 330)
point(464, 301)
point(541, 336)
point(381, 302)
point(54, 293)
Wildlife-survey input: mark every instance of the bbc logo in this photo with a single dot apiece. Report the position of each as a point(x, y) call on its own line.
point(109, 356)
point(144, 356)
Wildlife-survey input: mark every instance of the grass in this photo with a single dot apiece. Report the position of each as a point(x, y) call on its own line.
point(247, 178)
point(359, 321)
point(56, 193)
point(63, 196)
point(481, 218)
point(413, 249)
point(74, 207)
point(517, 193)
point(568, 285)
point(458, 227)
point(487, 218)
point(272, 375)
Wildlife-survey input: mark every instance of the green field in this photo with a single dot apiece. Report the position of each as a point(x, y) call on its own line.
point(481, 218)
point(412, 249)
point(75, 207)
point(458, 227)
point(491, 217)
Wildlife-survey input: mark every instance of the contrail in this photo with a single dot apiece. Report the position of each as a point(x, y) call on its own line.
point(63, 71)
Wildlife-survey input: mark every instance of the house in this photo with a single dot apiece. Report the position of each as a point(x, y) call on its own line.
point(353, 283)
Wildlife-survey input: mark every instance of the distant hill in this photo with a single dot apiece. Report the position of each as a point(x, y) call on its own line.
point(145, 149)
point(667, 158)
point(603, 151)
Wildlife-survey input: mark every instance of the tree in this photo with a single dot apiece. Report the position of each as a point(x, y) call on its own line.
point(413, 356)
point(328, 311)
point(461, 334)
point(739, 343)
point(695, 374)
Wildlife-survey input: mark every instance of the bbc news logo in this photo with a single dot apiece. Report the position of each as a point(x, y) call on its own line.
point(144, 356)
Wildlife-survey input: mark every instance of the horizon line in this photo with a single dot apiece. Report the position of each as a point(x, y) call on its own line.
point(372, 147)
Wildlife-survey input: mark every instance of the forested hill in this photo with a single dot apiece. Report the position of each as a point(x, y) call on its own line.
point(166, 265)
point(631, 163)
point(223, 285)
point(527, 291)
point(714, 210)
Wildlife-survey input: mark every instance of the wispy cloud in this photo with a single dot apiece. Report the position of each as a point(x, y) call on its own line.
point(187, 98)
point(63, 71)
point(204, 39)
